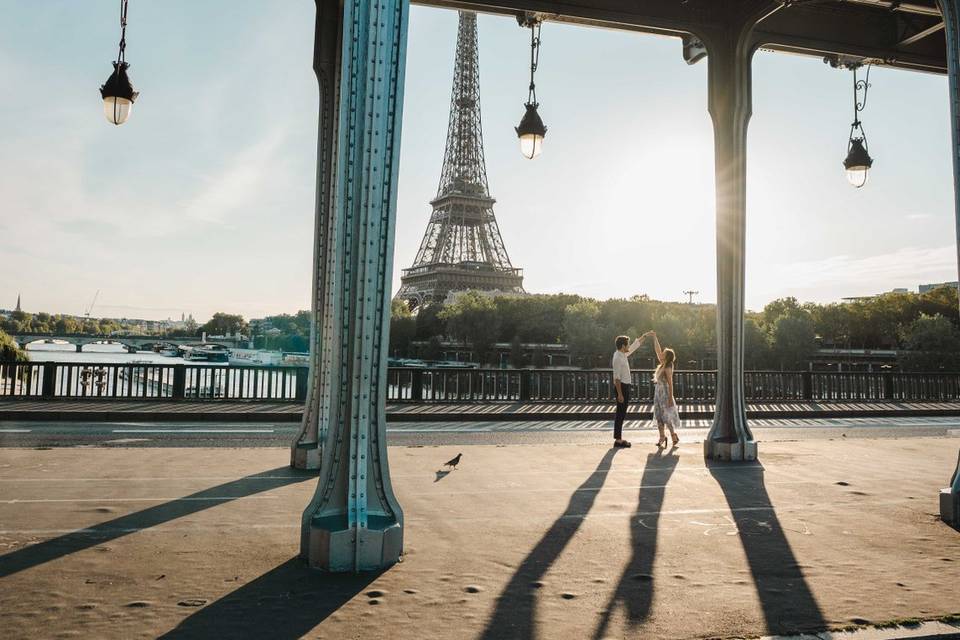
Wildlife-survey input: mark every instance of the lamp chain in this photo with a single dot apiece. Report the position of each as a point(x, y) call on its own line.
point(121, 56)
point(534, 60)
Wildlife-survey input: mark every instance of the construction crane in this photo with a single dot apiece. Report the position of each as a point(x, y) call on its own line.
point(690, 295)
point(90, 308)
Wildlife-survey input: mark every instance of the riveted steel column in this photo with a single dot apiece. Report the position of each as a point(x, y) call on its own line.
point(354, 521)
point(305, 450)
point(950, 497)
point(730, 51)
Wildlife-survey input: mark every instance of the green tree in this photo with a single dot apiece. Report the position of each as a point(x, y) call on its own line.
point(932, 343)
point(222, 324)
point(793, 339)
point(756, 345)
point(586, 338)
point(10, 351)
point(429, 323)
point(403, 328)
point(472, 317)
point(433, 350)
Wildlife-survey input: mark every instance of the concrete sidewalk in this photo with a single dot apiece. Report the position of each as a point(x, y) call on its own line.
point(550, 541)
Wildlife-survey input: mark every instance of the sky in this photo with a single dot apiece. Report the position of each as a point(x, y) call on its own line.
point(204, 200)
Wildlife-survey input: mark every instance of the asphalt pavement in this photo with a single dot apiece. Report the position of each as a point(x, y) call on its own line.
point(274, 434)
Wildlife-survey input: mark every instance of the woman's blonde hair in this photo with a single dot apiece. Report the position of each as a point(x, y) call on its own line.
point(669, 357)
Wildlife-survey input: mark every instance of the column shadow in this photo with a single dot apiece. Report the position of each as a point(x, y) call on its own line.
point(282, 604)
point(789, 606)
point(515, 614)
point(635, 587)
point(64, 545)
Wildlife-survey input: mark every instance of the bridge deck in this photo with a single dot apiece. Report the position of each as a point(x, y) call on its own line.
point(237, 411)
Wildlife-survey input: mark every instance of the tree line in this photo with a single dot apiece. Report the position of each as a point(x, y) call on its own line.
point(923, 327)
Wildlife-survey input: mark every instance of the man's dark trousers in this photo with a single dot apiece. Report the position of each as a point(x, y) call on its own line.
point(621, 412)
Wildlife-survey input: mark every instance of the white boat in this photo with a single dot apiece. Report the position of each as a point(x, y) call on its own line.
point(256, 358)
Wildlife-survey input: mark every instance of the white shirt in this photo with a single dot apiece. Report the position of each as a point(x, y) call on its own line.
point(621, 366)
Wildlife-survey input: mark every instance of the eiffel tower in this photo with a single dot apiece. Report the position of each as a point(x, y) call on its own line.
point(462, 248)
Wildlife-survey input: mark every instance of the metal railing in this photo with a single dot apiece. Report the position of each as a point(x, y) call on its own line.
point(596, 385)
point(144, 381)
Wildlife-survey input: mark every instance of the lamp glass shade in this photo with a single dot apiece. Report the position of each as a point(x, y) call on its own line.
point(117, 110)
point(857, 176)
point(857, 163)
point(531, 145)
point(531, 132)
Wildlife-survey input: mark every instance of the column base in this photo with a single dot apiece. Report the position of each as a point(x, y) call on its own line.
point(305, 455)
point(331, 544)
point(949, 508)
point(733, 451)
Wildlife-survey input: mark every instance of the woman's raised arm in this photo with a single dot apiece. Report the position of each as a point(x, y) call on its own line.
point(656, 346)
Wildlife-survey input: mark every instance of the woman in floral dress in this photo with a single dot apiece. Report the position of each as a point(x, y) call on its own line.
point(664, 404)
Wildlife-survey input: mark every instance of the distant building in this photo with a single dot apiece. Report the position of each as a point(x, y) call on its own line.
point(18, 310)
point(930, 287)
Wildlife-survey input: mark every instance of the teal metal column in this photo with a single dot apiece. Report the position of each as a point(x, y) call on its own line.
point(305, 450)
point(729, 54)
point(950, 497)
point(354, 522)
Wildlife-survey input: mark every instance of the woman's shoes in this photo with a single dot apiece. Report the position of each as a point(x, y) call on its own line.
point(676, 439)
point(662, 442)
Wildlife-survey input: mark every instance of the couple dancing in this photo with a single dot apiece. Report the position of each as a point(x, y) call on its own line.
point(664, 404)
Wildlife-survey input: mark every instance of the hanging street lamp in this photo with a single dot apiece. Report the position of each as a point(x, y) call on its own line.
point(858, 160)
point(117, 92)
point(531, 130)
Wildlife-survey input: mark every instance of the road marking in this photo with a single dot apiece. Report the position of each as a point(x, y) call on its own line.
point(193, 431)
point(187, 499)
point(15, 430)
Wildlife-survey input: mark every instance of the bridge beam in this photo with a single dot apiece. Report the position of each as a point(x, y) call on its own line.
point(730, 53)
point(950, 9)
point(354, 521)
point(306, 447)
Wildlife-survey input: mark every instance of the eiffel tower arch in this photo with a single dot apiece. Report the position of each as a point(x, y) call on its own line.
point(462, 247)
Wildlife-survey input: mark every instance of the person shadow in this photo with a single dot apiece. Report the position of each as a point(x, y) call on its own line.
point(788, 603)
point(514, 616)
point(634, 590)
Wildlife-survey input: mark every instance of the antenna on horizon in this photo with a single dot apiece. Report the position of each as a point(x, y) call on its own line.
point(690, 295)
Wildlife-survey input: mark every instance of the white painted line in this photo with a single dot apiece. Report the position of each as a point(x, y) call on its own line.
point(187, 499)
point(15, 430)
point(153, 479)
point(193, 431)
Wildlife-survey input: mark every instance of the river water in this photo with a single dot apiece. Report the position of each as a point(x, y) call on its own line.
point(41, 352)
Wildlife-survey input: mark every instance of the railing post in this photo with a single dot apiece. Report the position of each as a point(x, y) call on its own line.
point(179, 381)
point(49, 379)
point(887, 385)
point(303, 376)
point(416, 385)
point(806, 385)
point(525, 375)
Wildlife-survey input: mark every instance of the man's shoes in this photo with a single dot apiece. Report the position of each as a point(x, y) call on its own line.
point(622, 443)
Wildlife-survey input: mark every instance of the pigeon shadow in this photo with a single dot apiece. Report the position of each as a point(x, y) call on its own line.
point(789, 606)
point(441, 475)
point(282, 604)
point(635, 588)
point(54, 548)
point(515, 614)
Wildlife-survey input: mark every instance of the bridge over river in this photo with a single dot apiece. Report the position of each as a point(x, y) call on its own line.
point(132, 343)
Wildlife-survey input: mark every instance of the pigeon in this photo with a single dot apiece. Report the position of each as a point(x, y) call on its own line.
point(453, 463)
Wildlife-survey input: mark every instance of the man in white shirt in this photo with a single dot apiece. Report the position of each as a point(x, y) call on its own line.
point(622, 382)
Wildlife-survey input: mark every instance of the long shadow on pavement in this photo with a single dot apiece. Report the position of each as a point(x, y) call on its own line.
point(81, 539)
point(515, 614)
point(788, 603)
point(635, 588)
point(282, 604)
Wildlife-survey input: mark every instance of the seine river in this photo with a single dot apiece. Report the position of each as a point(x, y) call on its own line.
point(40, 352)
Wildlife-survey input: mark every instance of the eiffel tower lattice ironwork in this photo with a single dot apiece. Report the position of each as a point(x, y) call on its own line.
point(462, 247)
